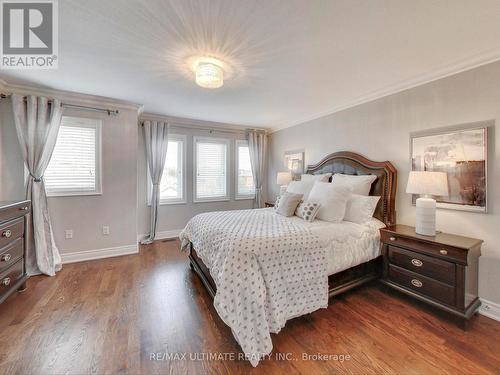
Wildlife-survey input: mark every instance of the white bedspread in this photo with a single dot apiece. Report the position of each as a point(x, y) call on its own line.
point(267, 269)
point(348, 244)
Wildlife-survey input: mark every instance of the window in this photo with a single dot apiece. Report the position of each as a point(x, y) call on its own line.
point(211, 169)
point(245, 188)
point(74, 168)
point(172, 184)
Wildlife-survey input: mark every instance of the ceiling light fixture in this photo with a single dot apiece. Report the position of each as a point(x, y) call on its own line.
point(209, 74)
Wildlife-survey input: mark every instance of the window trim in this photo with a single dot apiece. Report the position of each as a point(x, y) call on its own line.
point(239, 197)
point(166, 202)
point(227, 142)
point(89, 123)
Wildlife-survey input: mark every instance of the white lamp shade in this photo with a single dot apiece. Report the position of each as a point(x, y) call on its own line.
point(427, 183)
point(283, 178)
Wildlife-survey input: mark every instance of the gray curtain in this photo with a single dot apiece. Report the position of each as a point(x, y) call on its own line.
point(156, 137)
point(37, 123)
point(257, 145)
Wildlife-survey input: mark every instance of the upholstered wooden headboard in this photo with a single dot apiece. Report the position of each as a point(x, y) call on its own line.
point(355, 164)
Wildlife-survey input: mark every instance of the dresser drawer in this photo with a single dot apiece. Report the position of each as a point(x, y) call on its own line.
point(434, 268)
point(422, 285)
point(10, 276)
point(432, 249)
point(10, 231)
point(14, 211)
point(11, 253)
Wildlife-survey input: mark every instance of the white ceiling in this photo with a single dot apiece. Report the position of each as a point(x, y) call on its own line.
point(292, 60)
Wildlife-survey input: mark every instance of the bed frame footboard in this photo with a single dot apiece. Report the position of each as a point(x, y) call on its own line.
point(337, 283)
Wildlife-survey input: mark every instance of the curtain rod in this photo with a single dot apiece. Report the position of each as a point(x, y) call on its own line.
point(75, 106)
point(211, 130)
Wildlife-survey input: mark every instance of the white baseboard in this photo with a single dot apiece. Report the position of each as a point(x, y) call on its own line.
point(490, 309)
point(167, 234)
point(81, 256)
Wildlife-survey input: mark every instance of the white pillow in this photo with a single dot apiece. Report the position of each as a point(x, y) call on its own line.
point(360, 208)
point(324, 177)
point(333, 200)
point(287, 204)
point(358, 184)
point(300, 187)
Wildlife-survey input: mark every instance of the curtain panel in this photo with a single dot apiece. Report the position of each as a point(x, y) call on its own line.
point(37, 122)
point(156, 139)
point(257, 145)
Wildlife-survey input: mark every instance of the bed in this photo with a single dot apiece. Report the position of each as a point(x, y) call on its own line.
point(263, 269)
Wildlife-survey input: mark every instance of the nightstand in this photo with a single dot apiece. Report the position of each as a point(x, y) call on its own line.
point(268, 204)
point(441, 270)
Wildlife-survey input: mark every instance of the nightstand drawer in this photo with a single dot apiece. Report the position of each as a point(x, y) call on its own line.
point(431, 249)
point(434, 268)
point(422, 285)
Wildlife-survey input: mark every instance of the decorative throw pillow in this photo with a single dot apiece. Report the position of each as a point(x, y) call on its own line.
point(324, 177)
point(307, 210)
point(288, 203)
point(300, 187)
point(360, 208)
point(358, 184)
point(332, 199)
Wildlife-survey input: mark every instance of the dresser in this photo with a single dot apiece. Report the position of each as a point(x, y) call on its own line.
point(12, 246)
point(441, 270)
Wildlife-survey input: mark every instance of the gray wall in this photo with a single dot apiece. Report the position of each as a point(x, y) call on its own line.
point(116, 206)
point(173, 217)
point(380, 130)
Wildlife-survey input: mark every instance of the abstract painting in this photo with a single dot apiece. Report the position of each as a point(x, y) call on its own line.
point(461, 152)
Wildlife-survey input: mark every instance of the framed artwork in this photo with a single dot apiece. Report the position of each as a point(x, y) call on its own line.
point(461, 152)
point(294, 162)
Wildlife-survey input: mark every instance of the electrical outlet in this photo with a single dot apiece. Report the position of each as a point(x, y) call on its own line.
point(68, 234)
point(105, 230)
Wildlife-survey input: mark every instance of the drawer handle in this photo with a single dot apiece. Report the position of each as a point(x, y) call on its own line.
point(25, 208)
point(443, 251)
point(7, 233)
point(417, 262)
point(5, 258)
point(392, 238)
point(416, 283)
point(6, 281)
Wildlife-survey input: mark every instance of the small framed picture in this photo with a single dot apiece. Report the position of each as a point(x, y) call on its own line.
point(294, 162)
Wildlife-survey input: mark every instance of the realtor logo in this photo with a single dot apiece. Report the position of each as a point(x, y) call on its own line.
point(29, 37)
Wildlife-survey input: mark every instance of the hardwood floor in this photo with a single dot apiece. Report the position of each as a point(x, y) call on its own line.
point(122, 315)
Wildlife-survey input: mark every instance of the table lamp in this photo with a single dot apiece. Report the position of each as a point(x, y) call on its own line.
point(427, 184)
point(283, 179)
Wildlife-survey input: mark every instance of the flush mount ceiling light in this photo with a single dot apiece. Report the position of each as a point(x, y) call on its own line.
point(209, 73)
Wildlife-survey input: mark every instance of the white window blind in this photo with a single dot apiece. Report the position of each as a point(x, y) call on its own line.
point(245, 187)
point(211, 169)
point(74, 166)
point(172, 179)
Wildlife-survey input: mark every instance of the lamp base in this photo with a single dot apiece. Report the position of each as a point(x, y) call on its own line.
point(426, 217)
point(282, 189)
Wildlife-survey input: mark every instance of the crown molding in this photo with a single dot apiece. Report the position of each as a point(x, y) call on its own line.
point(183, 122)
point(69, 97)
point(457, 67)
